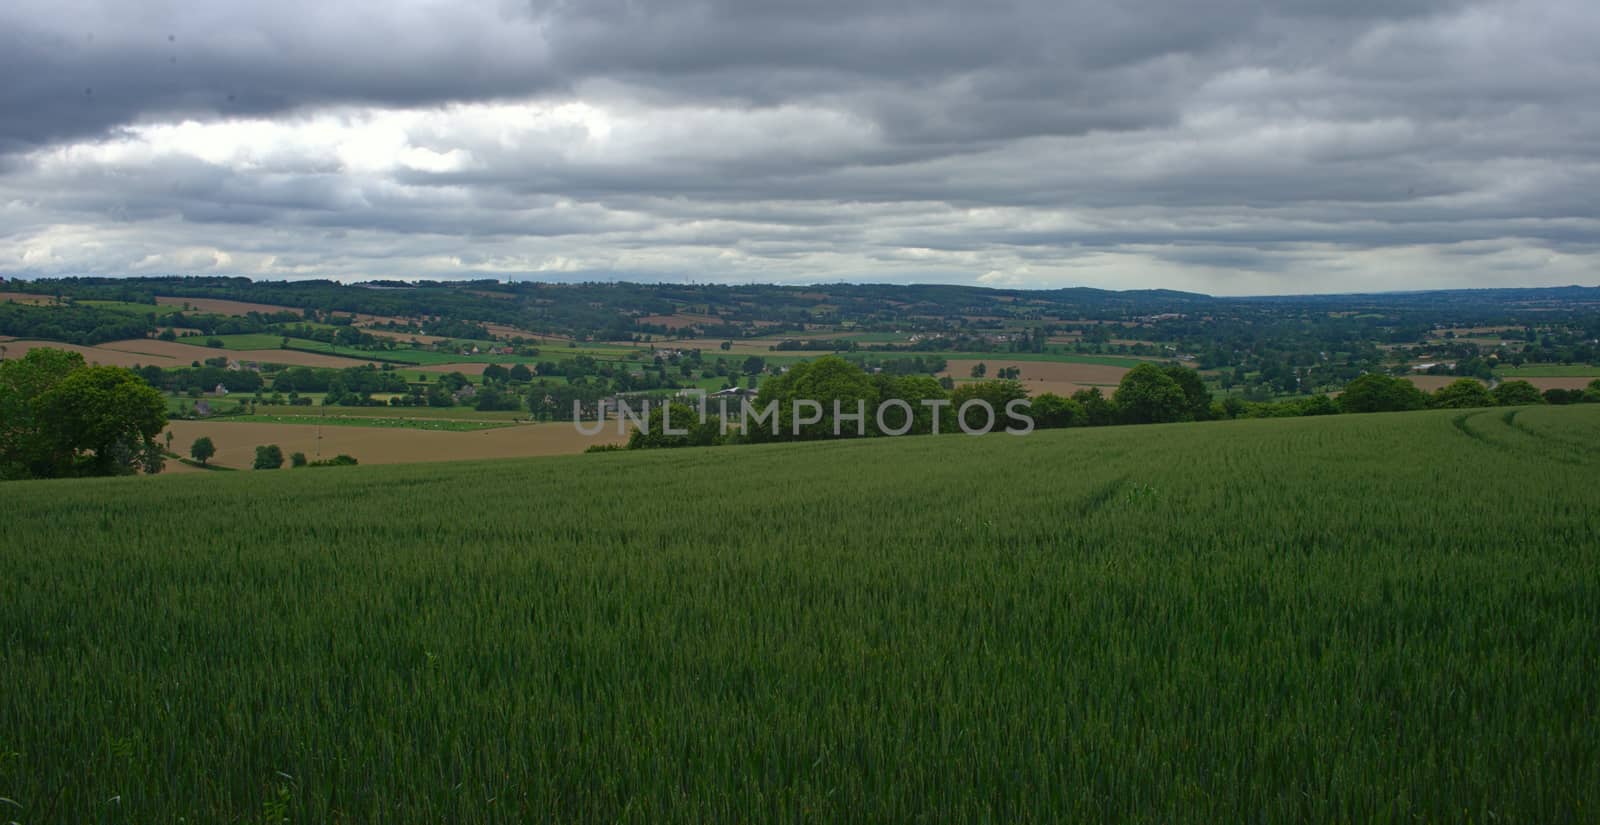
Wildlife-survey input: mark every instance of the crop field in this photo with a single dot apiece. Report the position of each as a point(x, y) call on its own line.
point(1432, 383)
point(105, 355)
point(680, 320)
point(385, 440)
point(261, 340)
point(1058, 377)
point(220, 306)
point(27, 298)
point(152, 351)
point(1553, 383)
point(181, 353)
point(1342, 619)
point(456, 425)
point(405, 337)
point(458, 413)
point(1124, 361)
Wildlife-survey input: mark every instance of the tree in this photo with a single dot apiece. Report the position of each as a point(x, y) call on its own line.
point(1097, 409)
point(1461, 393)
point(23, 449)
point(1051, 411)
point(1194, 390)
point(1374, 392)
point(521, 373)
point(690, 430)
point(1591, 395)
point(980, 369)
point(297, 460)
point(268, 457)
point(495, 372)
point(997, 394)
point(824, 381)
point(913, 390)
point(1148, 395)
point(202, 449)
point(1516, 394)
point(60, 418)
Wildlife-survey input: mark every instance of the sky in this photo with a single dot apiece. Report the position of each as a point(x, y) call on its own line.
point(1233, 147)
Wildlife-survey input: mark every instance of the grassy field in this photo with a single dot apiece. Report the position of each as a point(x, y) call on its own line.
point(1345, 619)
point(1549, 371)
point(134, 309)
point(263, 340)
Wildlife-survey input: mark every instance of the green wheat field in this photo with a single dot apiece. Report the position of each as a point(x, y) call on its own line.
point(1359, 618)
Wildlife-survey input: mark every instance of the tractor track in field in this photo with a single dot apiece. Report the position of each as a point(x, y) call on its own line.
point(1509, 419)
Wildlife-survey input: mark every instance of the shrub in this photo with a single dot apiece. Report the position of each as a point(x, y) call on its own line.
point(268, 457)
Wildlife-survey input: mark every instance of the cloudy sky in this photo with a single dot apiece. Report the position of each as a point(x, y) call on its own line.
point(1230, 146)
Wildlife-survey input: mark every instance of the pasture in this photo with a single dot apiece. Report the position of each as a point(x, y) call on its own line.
point(1344, 619)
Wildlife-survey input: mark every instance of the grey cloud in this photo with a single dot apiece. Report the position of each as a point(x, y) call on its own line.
point(782, 140)
point(77, 69)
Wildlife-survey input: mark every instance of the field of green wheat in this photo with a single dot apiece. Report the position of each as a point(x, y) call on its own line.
point(1358, 618)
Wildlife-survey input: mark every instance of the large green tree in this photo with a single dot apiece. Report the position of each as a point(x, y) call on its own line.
point(1462, 393)
point(997, 394)
point(688, 428)
point(1194, 389)
point(1148, 395)
point(913, 390)
point(1098, 410)
point(1375, 392)
point(1516, 394)
point(821, 382)
point(60, 418)
point(1051, 411)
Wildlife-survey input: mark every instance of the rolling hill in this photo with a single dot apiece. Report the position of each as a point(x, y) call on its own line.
point(1349, 618)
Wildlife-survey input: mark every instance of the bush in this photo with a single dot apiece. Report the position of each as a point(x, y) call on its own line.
point(268, 457)
point(1560, 396)
point(340, 460)
point(297, 460)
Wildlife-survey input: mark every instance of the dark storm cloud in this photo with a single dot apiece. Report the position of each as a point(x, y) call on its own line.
point(926, 70)
point(1016, 142)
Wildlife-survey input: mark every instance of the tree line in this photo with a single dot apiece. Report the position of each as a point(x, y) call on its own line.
point(1147, 394)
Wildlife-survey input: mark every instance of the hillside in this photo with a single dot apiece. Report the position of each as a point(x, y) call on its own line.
point(1344, 618)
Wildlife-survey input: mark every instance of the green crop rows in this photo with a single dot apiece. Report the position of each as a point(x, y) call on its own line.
point(1374, 618)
